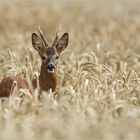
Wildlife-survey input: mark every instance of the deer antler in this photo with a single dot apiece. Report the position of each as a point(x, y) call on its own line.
point(57, 36)
point(43, 38)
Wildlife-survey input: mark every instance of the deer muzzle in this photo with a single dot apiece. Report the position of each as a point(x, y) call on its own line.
point(50, 68)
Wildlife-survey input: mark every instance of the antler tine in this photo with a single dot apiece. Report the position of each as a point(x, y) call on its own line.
point(57, 36)
point(43, 38)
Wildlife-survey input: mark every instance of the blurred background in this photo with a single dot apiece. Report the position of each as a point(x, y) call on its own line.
point(98, 95)
point(88, 22)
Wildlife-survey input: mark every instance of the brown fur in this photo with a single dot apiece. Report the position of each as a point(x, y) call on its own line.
point(6, 85)
point(47, 80)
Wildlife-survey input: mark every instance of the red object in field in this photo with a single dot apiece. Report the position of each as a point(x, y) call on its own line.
point(6, 85)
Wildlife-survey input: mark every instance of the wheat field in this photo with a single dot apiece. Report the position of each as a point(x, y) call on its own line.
point(98, 93)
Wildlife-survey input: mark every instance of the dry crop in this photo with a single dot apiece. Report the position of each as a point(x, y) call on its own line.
point(98, 94)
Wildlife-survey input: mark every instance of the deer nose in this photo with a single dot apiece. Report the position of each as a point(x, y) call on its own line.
point(50, 67)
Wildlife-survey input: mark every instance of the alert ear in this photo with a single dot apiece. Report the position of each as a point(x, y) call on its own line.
point(37, 42)
point(63, 42)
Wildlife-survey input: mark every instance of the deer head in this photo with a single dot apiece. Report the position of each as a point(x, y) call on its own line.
point(49, 53)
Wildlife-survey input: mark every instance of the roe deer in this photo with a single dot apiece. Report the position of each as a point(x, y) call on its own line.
point(49, 55)
point(48, 74)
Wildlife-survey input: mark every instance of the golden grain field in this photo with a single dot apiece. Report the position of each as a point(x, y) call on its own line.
point(98, 94)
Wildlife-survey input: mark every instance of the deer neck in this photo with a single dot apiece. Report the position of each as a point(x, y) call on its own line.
point(47, 80)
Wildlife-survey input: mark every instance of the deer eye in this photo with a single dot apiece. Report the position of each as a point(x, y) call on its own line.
point(57, 57)
point(43, 57)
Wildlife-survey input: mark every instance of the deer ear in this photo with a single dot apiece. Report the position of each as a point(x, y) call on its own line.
point(63, 42)
point(36, 42)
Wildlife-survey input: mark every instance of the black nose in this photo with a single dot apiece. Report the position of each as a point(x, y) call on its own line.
point(50, 67)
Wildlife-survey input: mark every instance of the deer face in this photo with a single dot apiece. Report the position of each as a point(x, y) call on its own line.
point(49, 54)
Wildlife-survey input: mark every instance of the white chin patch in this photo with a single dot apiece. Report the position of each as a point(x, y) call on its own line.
point(50, 71)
